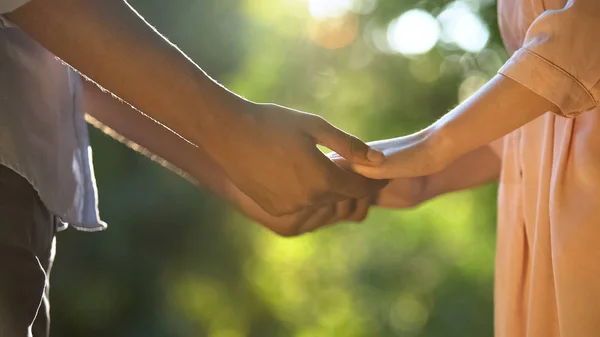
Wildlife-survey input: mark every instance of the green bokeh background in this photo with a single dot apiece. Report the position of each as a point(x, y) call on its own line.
point(176, 261)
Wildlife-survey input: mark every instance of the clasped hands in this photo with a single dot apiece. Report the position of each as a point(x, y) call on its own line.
point(281, 180)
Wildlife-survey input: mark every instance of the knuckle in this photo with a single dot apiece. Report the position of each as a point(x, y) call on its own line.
point(354, 144)
point(317, 122)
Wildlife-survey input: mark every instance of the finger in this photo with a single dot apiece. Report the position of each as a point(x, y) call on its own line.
point(355, 186)
point(361, 210)
point(346, 183)
point(342, 210)
point(346, 145)
point(381, 172)
point(327, 198)
point(318, 218)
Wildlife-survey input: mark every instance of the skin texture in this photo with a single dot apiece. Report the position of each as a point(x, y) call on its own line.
point(267, 151)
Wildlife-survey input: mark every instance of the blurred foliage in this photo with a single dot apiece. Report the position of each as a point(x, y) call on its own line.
point(178, 262)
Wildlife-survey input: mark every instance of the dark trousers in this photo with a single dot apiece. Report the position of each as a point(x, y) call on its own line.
point(27, 232)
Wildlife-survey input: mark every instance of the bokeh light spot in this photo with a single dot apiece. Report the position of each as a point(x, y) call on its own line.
point(325, 9)
point(414, 32)
point(461, 26)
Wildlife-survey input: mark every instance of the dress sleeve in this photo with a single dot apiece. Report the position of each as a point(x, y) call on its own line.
point(560, 57)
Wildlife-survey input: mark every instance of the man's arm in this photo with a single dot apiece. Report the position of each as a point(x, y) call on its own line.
point(267, 151)
point(129, 126)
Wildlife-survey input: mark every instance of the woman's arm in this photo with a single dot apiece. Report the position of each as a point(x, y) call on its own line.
point(557, 69)
point(498, 108)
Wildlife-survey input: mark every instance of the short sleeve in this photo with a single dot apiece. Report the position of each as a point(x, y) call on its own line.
point(560, 58)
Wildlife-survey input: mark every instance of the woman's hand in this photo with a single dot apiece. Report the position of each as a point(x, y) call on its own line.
point(420, 154)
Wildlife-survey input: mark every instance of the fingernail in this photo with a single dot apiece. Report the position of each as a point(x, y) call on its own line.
point(375, 156)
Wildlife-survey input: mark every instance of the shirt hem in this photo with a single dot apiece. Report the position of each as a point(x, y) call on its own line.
point(100, 226)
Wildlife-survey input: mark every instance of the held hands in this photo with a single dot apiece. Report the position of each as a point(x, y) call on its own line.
point(398, 194)
point(281, 180)
point(412, 157)
point(269, 152)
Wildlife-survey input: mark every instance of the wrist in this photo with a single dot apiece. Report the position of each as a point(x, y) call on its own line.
point(438, 142)
point(216, 115)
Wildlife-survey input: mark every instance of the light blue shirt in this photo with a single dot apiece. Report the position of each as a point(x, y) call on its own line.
point(43, 133)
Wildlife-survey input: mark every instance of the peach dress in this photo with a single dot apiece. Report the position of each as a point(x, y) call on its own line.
point(548, 250)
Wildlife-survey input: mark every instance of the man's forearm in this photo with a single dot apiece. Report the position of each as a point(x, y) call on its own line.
point(127, 125)
point(108, 42)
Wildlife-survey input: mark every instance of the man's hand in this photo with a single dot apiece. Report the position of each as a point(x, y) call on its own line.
point(304, 221)
point(400, 193)
point(269, 152)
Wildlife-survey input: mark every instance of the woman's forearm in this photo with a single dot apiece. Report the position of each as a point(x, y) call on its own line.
point(498, 108)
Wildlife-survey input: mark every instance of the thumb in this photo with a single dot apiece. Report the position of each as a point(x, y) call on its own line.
point(347, 146)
